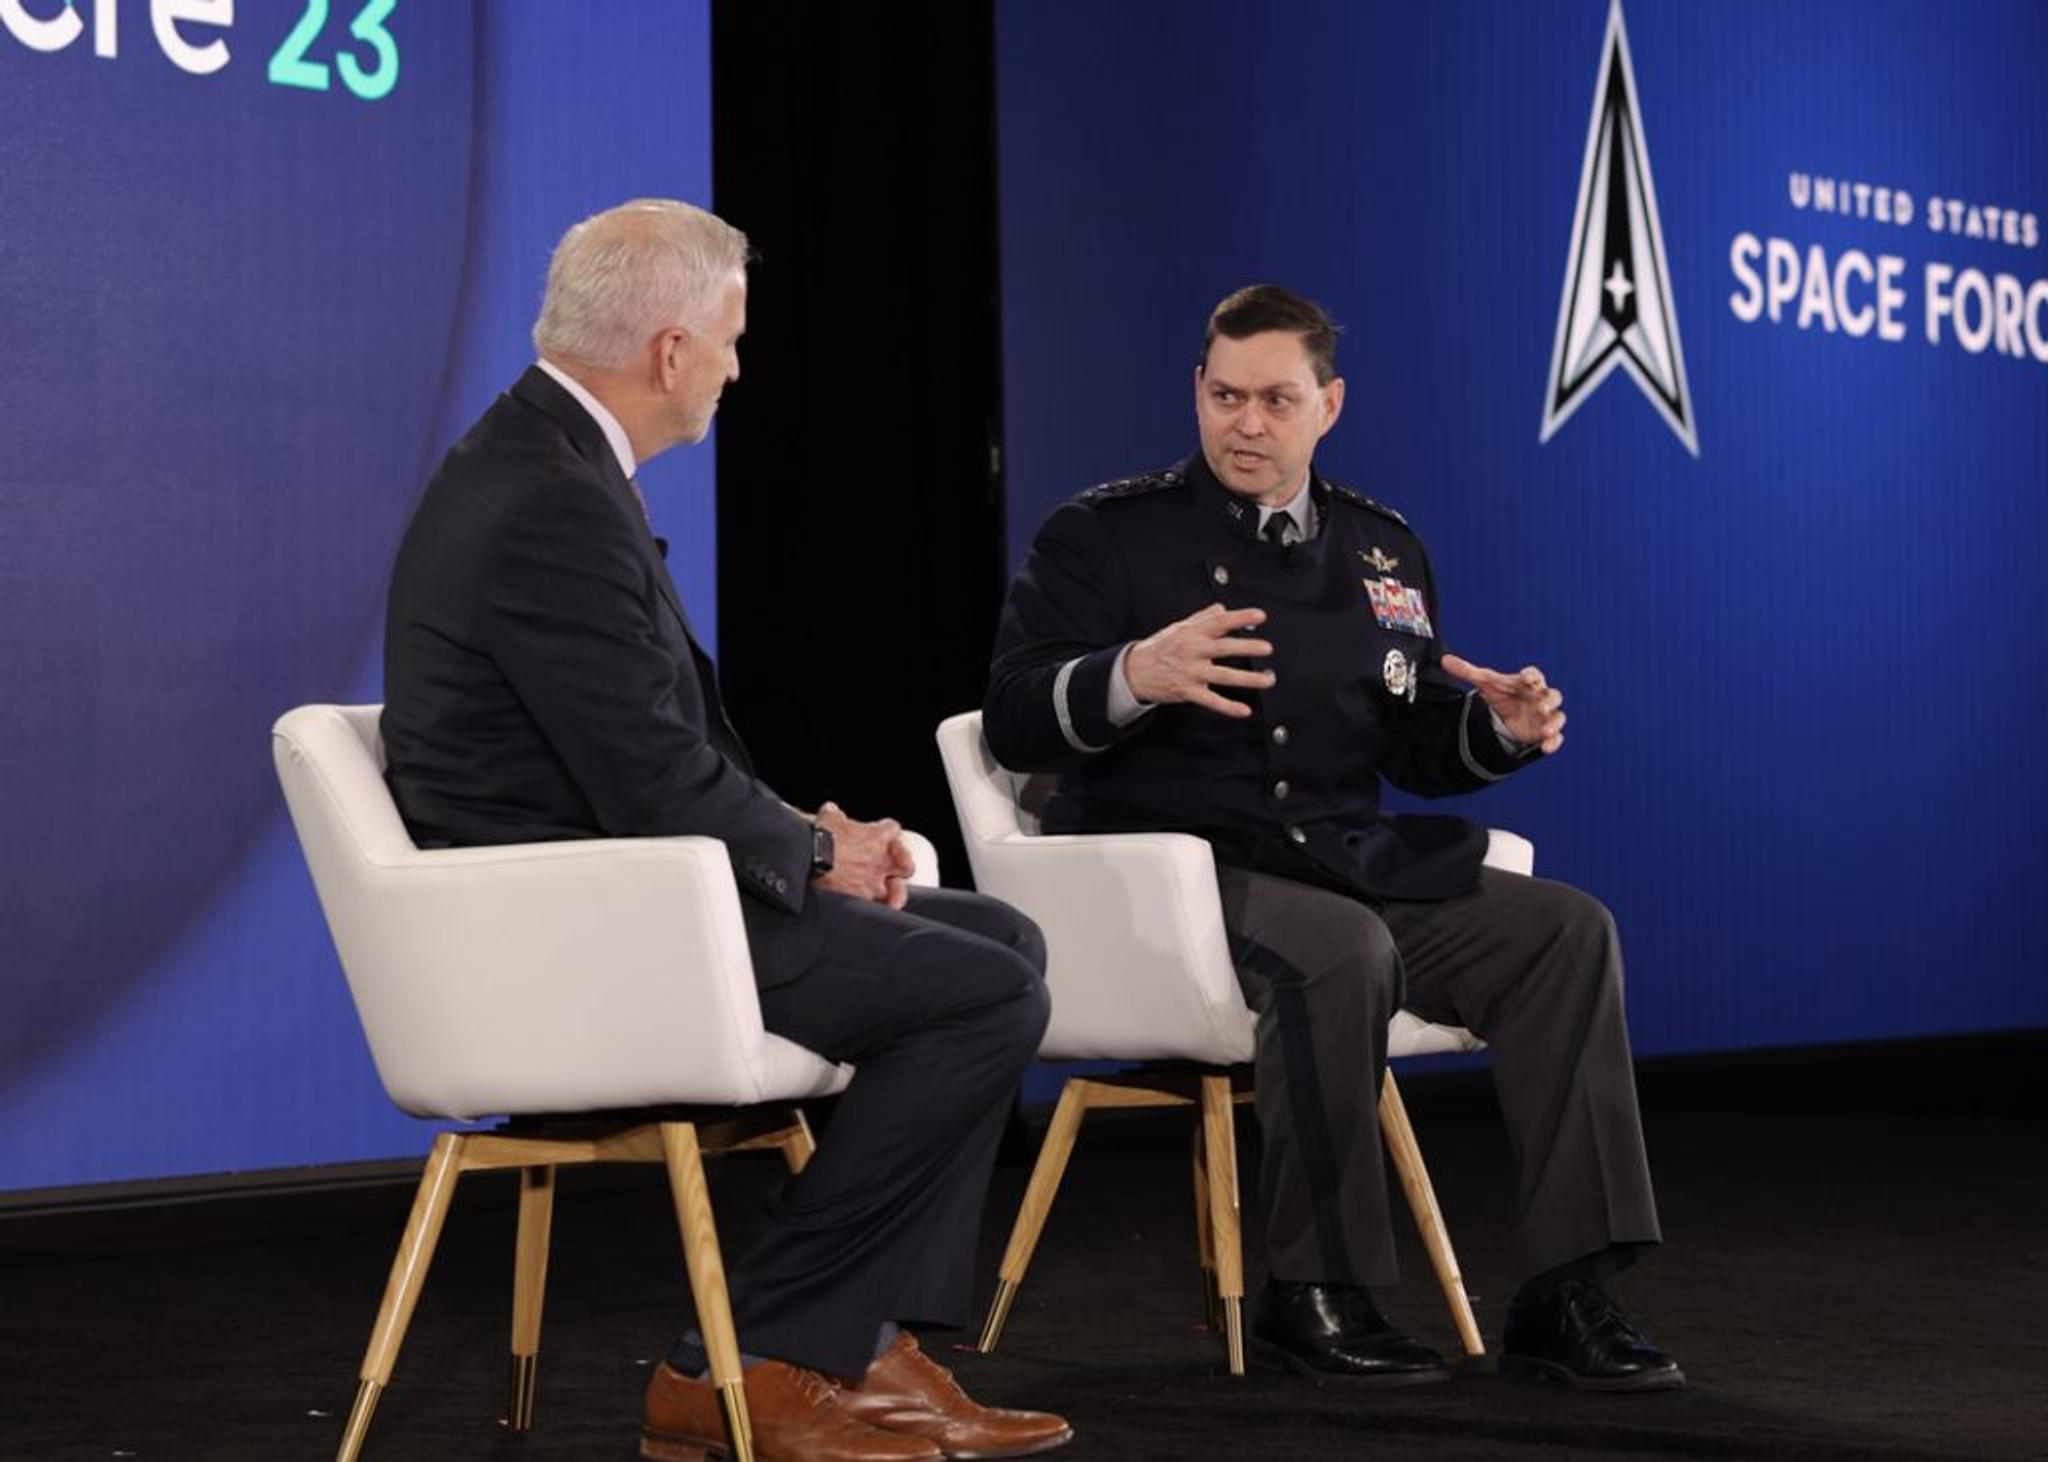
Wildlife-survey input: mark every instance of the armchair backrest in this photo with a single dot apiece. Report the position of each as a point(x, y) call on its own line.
point(989, 798)
point(344, 744)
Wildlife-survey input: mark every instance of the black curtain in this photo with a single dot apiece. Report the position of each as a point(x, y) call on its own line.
point(860, 522)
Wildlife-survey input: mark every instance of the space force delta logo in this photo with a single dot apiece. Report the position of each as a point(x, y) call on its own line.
point(1616, 308)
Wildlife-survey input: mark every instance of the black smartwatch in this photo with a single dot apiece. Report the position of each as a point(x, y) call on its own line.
point(821, 849)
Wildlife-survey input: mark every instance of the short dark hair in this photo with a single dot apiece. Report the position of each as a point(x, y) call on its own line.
point(1257, 308)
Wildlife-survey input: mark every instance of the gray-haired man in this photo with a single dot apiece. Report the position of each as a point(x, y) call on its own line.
point(542, 681)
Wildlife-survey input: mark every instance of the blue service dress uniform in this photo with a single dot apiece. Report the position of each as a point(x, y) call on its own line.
point(1340, 913)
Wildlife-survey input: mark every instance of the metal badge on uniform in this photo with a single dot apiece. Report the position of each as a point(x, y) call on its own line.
point(1401, 676)
point(1380, 561)
point(1398, 607)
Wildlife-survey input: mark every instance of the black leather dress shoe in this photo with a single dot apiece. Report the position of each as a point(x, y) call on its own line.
point(1577, 1335)
point(1334, 1332)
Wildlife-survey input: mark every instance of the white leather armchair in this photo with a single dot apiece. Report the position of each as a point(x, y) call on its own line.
point(607, 977)
point(1139, 969)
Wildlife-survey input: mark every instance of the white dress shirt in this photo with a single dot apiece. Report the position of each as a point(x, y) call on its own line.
point(614, 434)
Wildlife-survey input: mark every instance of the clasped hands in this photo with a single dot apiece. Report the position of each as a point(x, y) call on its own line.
point(1180, 663)
point(870, 860)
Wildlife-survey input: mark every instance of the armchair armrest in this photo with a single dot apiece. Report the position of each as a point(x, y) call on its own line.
point(1510, 852)
point(607, 973)
point(926, 874)
point(1144, 905)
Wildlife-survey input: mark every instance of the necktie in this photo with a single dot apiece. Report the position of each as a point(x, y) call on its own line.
point(1279, 530)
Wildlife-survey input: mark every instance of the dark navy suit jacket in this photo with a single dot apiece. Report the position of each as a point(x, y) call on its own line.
point(1295, 788)
point(541, 680)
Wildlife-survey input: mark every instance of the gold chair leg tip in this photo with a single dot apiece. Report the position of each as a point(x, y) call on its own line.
point(525, 1385)
point(1233, 1331)
point(739, 1425)
point(358, 1421)
point(998, 1315)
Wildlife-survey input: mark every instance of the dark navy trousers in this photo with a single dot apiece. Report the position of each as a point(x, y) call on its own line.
point(940, 1007)
point(1530, 966)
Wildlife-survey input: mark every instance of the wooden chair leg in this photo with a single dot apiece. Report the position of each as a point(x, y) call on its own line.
point(707, 1280)
point(402, 1291)
point(529, 1288)
point(1429, 1219)
point(797, 1144)
point(1219, 1133)
point(1205, 1241)
point(1031, 1213)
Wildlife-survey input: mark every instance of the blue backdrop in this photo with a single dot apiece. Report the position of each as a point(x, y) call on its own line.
point(253, 279)
point(1804, 668)
point(244, 313)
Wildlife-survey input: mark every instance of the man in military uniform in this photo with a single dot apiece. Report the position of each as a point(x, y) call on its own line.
point(1238, 648)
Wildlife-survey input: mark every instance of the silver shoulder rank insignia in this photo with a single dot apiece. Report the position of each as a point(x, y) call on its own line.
point(1381, 561)
point(1400, 675)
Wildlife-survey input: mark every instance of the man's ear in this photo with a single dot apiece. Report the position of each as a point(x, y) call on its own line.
point(668, 347)
point(1333, 404)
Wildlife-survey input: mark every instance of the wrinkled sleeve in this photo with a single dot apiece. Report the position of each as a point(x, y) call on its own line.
point(1065, 622)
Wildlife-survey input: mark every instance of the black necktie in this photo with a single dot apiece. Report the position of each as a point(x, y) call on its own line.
point(1278, 530)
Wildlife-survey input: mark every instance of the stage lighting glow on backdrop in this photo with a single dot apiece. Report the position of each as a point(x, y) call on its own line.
point(259, 265)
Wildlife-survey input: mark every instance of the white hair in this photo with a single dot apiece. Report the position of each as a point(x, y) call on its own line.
point(620, 276)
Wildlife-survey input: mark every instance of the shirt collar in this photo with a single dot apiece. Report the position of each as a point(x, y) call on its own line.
point(1301, 509)
point(614, 434)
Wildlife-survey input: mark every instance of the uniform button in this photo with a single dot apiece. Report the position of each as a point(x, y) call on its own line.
point(1220, 574)
point(1279, 735)
point(1296, 835)
point(1282, 787)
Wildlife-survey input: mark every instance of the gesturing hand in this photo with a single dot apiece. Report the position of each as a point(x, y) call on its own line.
point(1179, 662)
point(1526, 703)
point(870, 860)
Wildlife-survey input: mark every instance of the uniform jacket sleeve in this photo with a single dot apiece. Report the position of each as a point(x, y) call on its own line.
point(1063, 624)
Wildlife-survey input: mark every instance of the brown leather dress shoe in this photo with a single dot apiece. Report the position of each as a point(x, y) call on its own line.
point(796, 1416)
point(907, 1392)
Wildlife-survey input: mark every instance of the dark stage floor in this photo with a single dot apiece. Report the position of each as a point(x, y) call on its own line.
point(1856, 1268)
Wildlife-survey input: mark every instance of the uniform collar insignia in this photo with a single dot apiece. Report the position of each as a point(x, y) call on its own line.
point(1243, 522)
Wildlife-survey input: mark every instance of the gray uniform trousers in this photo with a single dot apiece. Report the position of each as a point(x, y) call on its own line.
point(1530, 966)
